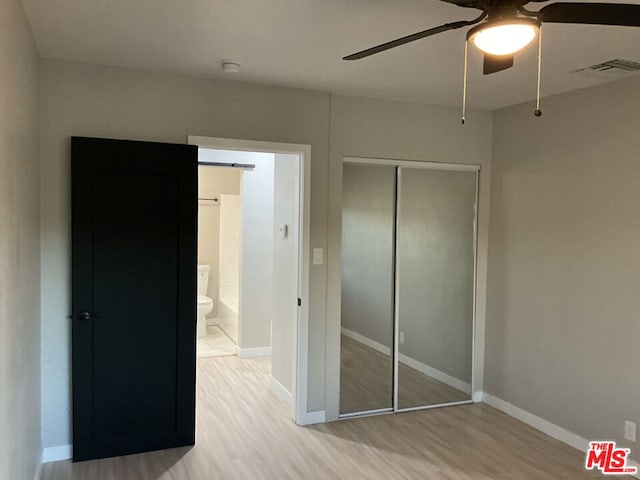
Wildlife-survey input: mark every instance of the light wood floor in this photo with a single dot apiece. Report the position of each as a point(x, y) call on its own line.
point(244, 432)
point(366, 382)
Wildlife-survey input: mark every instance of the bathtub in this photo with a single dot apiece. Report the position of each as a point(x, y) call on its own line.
point(228, 315)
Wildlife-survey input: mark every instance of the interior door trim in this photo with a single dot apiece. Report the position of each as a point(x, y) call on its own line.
point(300, 381)
point(390, 162)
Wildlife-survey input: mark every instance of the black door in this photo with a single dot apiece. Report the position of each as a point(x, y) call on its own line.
point(134, 256)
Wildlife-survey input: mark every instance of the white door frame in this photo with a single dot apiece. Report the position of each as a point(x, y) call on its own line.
point(301, 335)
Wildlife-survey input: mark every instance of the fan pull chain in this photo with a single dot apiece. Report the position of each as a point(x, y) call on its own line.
point(464, 82)
point(538, 112)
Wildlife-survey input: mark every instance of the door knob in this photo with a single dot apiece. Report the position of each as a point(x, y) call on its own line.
point(85, 316)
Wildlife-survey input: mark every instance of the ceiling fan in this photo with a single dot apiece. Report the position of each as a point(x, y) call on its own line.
point(505, 26)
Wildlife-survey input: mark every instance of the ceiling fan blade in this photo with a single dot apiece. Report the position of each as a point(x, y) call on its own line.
point(408, 39)
point(592, 13)
point(495, 63)
point(413, 37)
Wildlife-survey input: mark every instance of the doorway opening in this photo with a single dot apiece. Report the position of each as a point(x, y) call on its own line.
point(219, 243)
point(253, 251)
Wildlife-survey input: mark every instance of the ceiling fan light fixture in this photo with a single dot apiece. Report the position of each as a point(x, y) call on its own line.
point(504, 37)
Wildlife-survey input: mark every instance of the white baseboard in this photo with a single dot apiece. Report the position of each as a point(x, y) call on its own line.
point(312, 418)
point(278, 389)
point(410, 362)
point(378, 347)
point(545, 426)
point(55, 454)
point(435, 373)
point(38, 473)
point(536, 422)
point(254, 352)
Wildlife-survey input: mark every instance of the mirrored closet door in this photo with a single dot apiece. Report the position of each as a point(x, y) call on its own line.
point(408, 285)
point(368, 237)
point(435, 274)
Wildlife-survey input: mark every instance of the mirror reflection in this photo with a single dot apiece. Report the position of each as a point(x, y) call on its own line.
point(408, 279)
point(435, 285)
point(368, 217)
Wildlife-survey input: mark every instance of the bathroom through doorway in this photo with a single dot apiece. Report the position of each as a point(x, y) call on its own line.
point(219, 237)
point(253, 259)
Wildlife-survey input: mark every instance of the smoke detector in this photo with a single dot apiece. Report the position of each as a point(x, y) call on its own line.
point(230, 67)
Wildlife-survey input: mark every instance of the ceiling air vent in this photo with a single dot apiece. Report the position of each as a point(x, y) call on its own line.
point(611, 69)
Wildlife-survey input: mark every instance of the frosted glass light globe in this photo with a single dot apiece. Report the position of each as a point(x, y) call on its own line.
point(504, 38)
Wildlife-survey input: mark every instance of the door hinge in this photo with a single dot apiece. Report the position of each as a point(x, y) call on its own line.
point(299, 302)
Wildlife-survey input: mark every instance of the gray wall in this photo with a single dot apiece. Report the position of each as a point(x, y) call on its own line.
point(362, 127)
point(79, 99)
point(564, 267)
point(19, 248)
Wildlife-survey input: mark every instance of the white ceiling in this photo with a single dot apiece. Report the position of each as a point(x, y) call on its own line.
point(300, 43)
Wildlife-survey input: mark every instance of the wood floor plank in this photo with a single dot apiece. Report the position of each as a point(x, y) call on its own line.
point(245, 433)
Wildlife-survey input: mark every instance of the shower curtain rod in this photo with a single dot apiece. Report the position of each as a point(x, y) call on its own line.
point(248, 166)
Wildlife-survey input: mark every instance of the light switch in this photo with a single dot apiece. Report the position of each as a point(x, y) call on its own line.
point(630, 431)
point(318, 256)
point(284, 231)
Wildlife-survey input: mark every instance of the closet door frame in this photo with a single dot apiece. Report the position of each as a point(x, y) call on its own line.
point(452, 167)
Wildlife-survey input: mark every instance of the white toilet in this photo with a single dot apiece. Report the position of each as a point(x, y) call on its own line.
point(205, 304)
